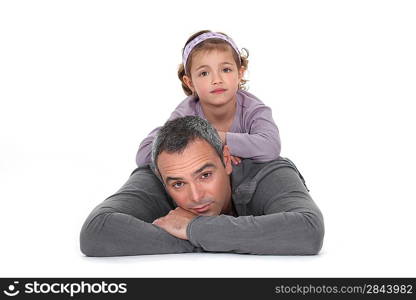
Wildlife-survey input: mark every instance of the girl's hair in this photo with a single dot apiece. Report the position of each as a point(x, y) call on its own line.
point(207, 45)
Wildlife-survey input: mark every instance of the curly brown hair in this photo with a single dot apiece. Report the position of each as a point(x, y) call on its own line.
point(207, 45)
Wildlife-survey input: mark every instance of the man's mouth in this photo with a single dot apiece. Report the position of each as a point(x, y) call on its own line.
point(201, 209)
point(218, 91)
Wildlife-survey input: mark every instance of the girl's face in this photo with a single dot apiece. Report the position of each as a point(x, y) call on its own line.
point(214, 77)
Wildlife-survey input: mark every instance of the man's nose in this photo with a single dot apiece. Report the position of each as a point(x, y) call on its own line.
point(195, 193)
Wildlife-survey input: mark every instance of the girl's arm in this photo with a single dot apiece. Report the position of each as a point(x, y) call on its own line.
point(144, 154)
point(261, 140)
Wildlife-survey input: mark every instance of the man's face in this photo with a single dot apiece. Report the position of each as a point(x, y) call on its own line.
point(196, 179)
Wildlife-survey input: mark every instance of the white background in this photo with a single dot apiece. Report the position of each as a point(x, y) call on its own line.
point(83, 82)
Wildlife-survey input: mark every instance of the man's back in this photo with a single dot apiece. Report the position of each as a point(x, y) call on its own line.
point(276, 215)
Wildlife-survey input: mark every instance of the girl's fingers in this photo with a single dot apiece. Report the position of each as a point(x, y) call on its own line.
point(236, 160)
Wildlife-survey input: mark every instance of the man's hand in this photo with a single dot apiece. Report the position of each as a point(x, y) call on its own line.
point(176, 222)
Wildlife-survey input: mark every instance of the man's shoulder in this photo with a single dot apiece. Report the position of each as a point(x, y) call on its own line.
point(252, 181)
point(250, 172)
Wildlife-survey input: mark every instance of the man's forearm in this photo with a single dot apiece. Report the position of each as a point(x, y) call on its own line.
point(285, 233)
point(117, 234)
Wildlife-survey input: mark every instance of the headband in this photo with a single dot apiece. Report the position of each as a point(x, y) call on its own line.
point(200, 38)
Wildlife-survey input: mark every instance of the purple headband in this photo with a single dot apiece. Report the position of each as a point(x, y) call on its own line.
point(200, 38)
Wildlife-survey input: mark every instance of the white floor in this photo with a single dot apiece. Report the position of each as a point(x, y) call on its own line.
point(45, 201)
point(83, 82)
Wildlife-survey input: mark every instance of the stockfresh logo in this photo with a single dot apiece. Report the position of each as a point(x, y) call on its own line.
point(71, 289)
point(11, 289)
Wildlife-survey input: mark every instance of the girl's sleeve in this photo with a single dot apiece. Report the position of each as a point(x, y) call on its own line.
point(261, 140)
point(144, 154)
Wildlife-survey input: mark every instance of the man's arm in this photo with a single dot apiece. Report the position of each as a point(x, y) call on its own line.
point(122, 224)
point(287, 221)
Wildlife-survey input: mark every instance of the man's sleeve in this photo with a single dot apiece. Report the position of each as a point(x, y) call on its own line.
point(287, 222)
point(121, 225)
point(261, 142)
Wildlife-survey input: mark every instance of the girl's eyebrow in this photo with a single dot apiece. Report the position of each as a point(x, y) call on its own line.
point(203, 66)
point(200, 67)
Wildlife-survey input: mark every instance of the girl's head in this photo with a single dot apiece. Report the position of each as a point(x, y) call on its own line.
point(212, 66)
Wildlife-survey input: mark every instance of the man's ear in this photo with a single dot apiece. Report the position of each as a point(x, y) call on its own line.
point(188, 82)
point(227, 159)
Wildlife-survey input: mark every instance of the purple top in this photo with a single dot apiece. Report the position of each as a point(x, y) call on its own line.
point(253, 133)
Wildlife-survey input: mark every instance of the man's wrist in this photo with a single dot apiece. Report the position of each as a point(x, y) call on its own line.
point(189, 235)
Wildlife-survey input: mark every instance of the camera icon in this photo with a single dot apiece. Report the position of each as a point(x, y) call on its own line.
point(12, 289)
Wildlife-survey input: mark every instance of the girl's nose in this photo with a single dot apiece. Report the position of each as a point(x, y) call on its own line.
point(216, 78)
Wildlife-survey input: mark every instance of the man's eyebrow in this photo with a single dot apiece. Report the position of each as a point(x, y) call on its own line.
point(207, 165)
point(169, 178)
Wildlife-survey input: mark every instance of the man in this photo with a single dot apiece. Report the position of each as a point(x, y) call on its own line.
point(200, 202)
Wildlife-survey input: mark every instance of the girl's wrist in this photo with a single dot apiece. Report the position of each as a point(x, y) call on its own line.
point(223, 136)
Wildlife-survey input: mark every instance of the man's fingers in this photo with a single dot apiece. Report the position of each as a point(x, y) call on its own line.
point(157, 221)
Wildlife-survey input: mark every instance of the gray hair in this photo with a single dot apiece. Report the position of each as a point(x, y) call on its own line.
point(176, 134)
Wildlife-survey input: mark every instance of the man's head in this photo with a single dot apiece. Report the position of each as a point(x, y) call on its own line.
point(194, 167)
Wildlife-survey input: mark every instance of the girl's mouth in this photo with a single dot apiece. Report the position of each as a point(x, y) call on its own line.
point(218, 91)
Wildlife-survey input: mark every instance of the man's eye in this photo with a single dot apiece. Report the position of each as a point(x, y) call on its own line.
point(177, 185)
point(206, 175)
point(227, 70)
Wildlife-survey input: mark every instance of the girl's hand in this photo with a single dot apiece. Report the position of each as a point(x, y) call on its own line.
point(235, 159)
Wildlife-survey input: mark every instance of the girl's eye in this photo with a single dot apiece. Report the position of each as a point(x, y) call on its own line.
point(177, 185)
point(204, 73)
point(206, 175)
point(227, 70)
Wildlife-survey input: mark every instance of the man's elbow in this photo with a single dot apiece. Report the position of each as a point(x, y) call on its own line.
point(90, 242)
point(315, 243)
point(87, 243)
point(315, 238)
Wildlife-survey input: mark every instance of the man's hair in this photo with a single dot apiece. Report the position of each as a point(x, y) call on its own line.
point(176, 134)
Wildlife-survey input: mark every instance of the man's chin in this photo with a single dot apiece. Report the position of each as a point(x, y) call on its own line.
point(208, 213)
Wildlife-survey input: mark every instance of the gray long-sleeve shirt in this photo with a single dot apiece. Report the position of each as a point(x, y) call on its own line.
point(275, 215)
point(253, 133)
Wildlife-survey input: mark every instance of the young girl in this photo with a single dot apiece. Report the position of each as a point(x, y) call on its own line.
point(211, 73)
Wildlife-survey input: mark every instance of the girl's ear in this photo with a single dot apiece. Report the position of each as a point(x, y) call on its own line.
point(188, 82)
point(241, 73)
